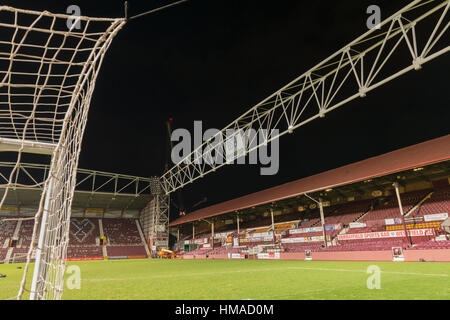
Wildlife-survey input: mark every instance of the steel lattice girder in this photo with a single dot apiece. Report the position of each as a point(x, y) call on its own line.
point(33, 176)
point(363, 65)
point(155, 215)
point(160, 215)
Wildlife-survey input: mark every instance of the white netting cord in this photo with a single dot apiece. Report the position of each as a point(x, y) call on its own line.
point(48, 75)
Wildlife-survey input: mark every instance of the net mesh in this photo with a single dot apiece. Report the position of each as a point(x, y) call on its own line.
point(48, 67)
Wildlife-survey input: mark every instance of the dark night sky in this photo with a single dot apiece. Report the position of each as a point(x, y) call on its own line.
point(211, 60)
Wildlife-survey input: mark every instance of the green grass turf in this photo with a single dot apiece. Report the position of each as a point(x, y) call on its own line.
point(233, 279)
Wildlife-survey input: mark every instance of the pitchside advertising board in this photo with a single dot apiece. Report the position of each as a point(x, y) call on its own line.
point(304, 239)
point(256, 239)
point(269, 256)
point(426, 218)
point(197, 241)
point(393, 221)
point(260, 234)
point(261, 256)
point(91, 258)
point(386, 234)
point(222, 235)
point(357, 225)
point(315, 229)
point(436, 217)
point(305, 230)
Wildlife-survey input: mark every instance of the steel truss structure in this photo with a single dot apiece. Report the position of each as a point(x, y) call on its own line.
point(90, 181)
point(396, 46)
point(155, 221)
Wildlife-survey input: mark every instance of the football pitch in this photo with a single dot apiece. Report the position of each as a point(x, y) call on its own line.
point(247, 279)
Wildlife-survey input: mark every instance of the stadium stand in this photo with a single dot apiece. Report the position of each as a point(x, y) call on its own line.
point(284, 226)
point(3, 254)
point(439, 202)
point(360, 214)
point(302, 247)
point(83, 232)
point(26, 233)
point(6, 231)
point(360, 206)
point(369, 217)
point(126, 250)
point(121, 231)
point(84, 251)
point(368, 245)
point(348, 212)
point(122, 234)
point(432, 245)
point(19, 255)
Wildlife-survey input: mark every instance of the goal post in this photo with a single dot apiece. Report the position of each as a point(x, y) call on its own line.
point(48, 71)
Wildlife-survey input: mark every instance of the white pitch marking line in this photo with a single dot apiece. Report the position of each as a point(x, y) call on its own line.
point(364, 271)
point(187, 275)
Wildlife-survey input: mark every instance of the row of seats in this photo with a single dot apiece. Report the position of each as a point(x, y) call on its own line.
point(422, 242)
point(439, 202)
point(368, 245)
point(302, 247)
point(373, 214)
point(117, 251)
point(121, 231)
point(432, 245)
point(26, 232)
point(84, 252)
point(82, 231)
point(3, 254)
point(6, 230)
point(123, 235)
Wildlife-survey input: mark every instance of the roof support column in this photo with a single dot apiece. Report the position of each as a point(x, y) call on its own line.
point(271, 216)
point(212, 234)
point(273, 225)
point(322, 219)
point(237, 221)
point(400, 206)
point(193, 231)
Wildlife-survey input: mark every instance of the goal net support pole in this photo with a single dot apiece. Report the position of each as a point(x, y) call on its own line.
point(41, 259)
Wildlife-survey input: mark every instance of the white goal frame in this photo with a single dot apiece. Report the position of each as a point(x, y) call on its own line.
point(47, 77)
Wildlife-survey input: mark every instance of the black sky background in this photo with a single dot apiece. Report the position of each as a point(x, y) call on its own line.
point(211, 60)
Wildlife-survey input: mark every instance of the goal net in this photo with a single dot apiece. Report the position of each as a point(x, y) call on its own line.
point(48, 68)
